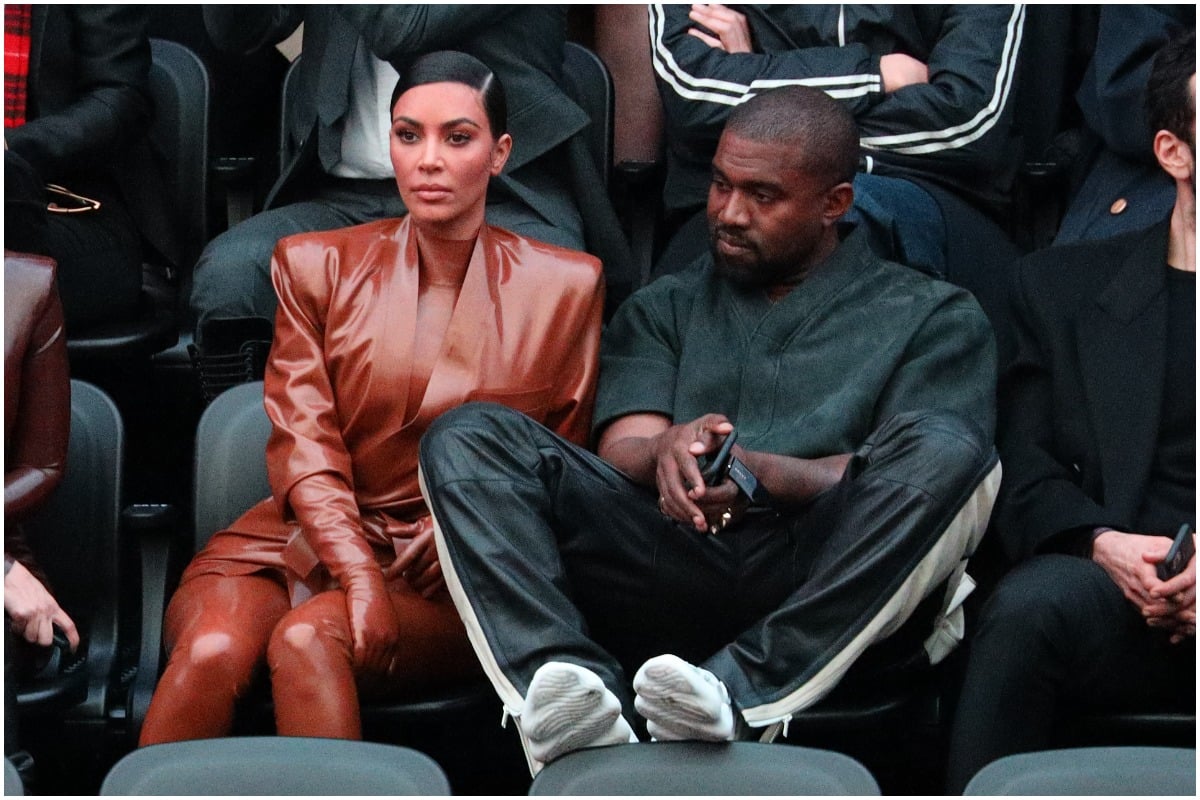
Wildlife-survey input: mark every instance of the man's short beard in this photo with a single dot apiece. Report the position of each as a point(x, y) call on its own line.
point(756, 274)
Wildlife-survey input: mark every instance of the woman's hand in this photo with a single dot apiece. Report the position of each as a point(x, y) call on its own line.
point(33, 611)
point(374, 626)
point(419, 564)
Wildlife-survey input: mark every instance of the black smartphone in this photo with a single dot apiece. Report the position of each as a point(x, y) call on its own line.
point(718, 466)
point(1181, 552)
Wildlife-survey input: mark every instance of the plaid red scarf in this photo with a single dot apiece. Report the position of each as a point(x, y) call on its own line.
point(17, 42)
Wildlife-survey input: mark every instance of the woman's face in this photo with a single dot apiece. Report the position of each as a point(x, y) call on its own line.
point(443, 153)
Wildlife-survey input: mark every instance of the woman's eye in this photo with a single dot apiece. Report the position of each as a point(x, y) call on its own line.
point(459, 137)
point(405, 136)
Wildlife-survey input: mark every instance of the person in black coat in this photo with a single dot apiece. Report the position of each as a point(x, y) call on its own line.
point(1124, 189)
point(1097, 434)
point(79, 120)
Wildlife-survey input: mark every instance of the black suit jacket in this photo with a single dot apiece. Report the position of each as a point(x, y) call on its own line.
point(90, 109)
point(1081, 396)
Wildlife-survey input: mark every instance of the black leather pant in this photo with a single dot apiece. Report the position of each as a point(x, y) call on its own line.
point(552, 554)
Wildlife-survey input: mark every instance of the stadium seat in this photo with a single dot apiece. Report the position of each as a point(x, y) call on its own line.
point(1090, 771)
point(76, 539)
point(270, 765)
point(704, 768)
point(13, 787)
point(179, 134)
point(65, 711)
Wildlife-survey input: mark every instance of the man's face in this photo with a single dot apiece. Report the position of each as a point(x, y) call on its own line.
point(767, 219)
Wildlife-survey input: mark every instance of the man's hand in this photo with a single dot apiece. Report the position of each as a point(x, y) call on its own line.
point(898, 70)
point(732, 31)
point(677, 471)
point(33, 612)
point(1131, 561)
point(418, 564)
point(1173, 603)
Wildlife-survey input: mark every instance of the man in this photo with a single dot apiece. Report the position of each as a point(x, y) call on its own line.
point(861, 392)
point(1098, 438)
point(930, 88)
point(1124, 190)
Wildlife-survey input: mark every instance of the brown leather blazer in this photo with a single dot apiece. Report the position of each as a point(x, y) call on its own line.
point(342, 457)
point(37, 388)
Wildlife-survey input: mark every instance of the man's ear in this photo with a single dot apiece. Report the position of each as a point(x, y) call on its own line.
point(838, 201)
point(1174, 155)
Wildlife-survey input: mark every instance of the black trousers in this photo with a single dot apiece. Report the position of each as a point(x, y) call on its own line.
point(1057, 637)
point(550, 553)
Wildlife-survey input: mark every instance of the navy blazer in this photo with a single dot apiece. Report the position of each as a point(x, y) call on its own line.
point(1080, 398)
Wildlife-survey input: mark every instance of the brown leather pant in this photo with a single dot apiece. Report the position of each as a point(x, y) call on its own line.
point(220, 629)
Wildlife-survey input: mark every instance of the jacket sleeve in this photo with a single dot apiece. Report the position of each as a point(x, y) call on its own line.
point(1113, 90)
point(971, 67)
point(950, 363)
point(399, 31)
point(964, 113)
point(1041, 506)
point(112, 105)
point(308, 464)
point(571, 415)
point(700, 85)
point(37, 452)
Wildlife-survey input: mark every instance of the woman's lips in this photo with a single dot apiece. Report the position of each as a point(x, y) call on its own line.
point(430, 192)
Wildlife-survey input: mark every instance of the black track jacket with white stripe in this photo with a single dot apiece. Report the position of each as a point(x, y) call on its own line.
point(954, 131)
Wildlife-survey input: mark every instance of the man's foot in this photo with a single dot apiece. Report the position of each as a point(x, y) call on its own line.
point(682, 702)
point(567, 708)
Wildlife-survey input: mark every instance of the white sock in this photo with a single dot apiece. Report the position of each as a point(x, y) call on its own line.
point(682, 702)
point(567, 708)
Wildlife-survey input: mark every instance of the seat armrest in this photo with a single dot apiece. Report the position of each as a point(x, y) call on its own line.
point(236, 177)
point(154, 525)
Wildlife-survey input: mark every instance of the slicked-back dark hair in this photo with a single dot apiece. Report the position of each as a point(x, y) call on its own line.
point(452, 66)
point(1169, 104)
point(822, 130)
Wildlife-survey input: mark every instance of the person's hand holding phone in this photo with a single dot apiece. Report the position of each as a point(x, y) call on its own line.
point(683, 493)
point(1175, 606)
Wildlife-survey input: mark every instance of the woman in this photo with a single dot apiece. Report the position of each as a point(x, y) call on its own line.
point(381, 328)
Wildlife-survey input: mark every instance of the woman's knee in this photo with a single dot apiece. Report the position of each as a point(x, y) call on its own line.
point(310, 635)
point(220, 659)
